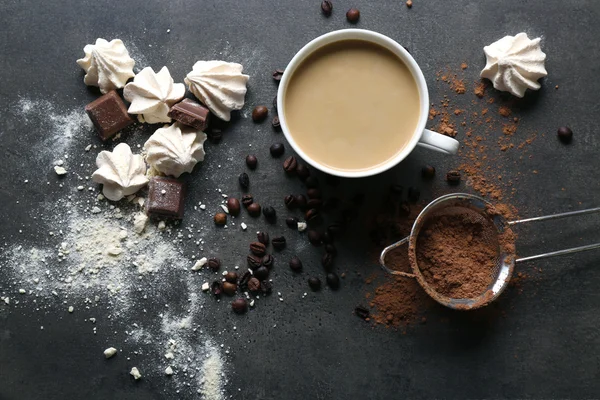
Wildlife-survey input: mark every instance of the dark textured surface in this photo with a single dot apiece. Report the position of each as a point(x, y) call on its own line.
point(543, 346)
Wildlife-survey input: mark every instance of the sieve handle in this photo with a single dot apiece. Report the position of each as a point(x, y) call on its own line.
point(386, 251)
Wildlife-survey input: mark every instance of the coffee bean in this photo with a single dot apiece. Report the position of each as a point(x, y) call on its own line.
point(270, 214)
point(361, 312)
point(336, 229)
point(278, 243)
point(254, 262)
point(266, 287)
point(314, 237)
point(295, 264)
point(277, 150)
point(229, 288)
point(214, 135)
point(220, 219)
point(327, 261)
point(311, 182)
point(276, 124)
point(290, 164)
point(239, 306)
point(314, 203)
point(292, 222)
point(258, 249)
point(290, 201)
point(565, 134)
point(330, 248)
point(214, 264)
point(254, 209)
point(253, 285)
point(263, 237)
point(216, 288)
point(231, 277)
point(353, 15)
point(233, 205)
point(301, 201)
point(244, 180)
point(311, 215)
point(243, 282)
point(413, 194)
point(259, 113)
point(302, 171)
point(314, 283)
point(261, 273)
point(453, 177)
point(268, 261)
point(428, 172)
point(313, 193)
point(247, 199)
point(275, 103)
point(277, 75)
point(333, 281)
point(326, 7)
point(251, 161)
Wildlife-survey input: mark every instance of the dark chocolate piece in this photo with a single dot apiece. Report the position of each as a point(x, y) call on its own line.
point(188, 112)
point(109, 114)
point(165, 197)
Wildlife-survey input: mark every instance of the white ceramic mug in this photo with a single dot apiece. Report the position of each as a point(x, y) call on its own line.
point(421, 136)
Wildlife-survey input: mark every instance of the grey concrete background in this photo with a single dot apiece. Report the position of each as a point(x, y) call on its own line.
point(545, 346)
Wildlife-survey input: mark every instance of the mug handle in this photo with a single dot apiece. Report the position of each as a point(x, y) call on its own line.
point(438, 142)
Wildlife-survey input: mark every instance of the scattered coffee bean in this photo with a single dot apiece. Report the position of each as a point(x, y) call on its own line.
point(336, 229)
point(311, 215)
point(292, 222)
point(243, 282)
point(302, 171)
point(229, 288)
point(254, 209)
point(353, 15)
point(290, 164)
point(258, 249)
point(247, 199)
point(277, 74)
point(326, 8)
point(295, 264)
point(314, 237)
point(216, 288)
point(266, 287)
point(330, 248)
point(333, 281)
point(233, 205)
point(428, 172)
point(314, 283)
point(311, 182)
point(327, 261)
point(270, 214)
point(314, 203)
point(276, 124)
point(275, 103)
point(254, 262)
point(413, 194)
point(253, 285)
point(453, 177)
point(214, 264)
point(313, 193)
point(278, 243)
point(361, 312)
point(259, 113)
point(220, 219)
point(215, 135)
point(244, 180)
point(261, 273)
point(239, 306)
point(263, 237)
point(231, 277)
point(251, 161)
point(268, 261)
point(565, 134)
point(301, 201)
point(290, 201)
point(277, 150)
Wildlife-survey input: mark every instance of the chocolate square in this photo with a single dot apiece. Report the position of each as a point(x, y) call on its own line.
point(165, 197)
point(109, 114)
point(188, 112)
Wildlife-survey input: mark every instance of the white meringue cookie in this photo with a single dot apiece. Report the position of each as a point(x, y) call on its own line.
point(152, 94)
point(107, 65)
point(220, 85)
point(514, 64)
point(175, 149)
point(121, 172)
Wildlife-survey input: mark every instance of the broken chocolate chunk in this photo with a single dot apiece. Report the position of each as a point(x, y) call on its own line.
point(108, 114)
point(188, 112)
point(165, 197)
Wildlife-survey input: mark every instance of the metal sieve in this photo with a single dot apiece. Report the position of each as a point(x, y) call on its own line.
point(474, 209)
